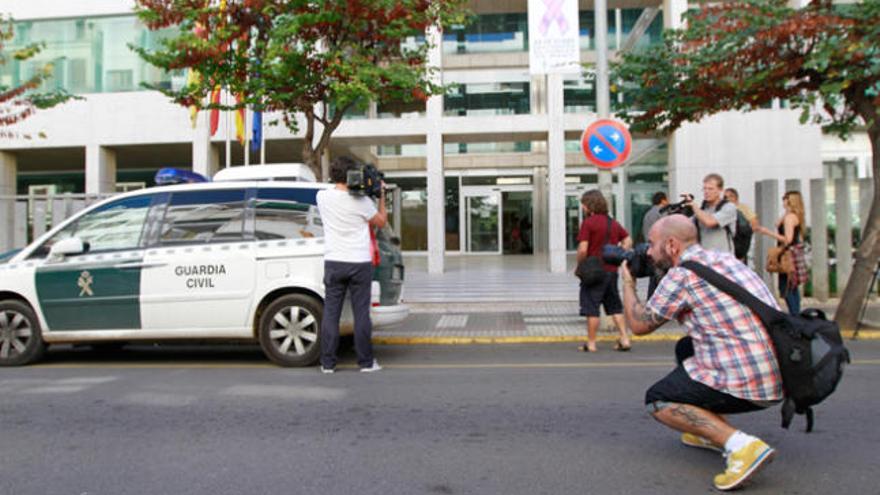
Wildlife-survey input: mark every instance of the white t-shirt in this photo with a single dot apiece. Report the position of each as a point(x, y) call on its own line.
point(346, 225)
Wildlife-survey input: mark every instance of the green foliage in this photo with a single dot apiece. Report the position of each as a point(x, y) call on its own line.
point(743, 55)
point(290, 55)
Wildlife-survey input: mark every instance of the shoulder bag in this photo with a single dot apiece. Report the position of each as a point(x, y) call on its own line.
point(591, 270)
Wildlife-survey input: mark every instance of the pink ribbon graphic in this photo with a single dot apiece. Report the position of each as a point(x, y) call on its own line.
point(553, 13)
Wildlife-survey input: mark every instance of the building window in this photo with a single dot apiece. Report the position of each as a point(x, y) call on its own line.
point(88, 55)
point(196, 217)
point(489, 33)
point(499, 98)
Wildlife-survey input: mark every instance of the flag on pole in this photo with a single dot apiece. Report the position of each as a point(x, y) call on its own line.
point(215, 113)
point(257, 134)
point(240, 132)
point(192, 79)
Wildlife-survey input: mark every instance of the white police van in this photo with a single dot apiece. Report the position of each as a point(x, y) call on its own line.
point(231, 259)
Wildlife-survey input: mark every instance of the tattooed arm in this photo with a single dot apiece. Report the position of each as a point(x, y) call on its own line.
point(640, 319)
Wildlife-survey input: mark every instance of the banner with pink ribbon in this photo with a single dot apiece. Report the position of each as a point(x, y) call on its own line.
point(554, 45)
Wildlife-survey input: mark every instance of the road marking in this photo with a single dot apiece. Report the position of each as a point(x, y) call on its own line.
point(452, 321)
point(448, 366)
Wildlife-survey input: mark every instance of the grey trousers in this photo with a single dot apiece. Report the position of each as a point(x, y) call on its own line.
point(356, 278)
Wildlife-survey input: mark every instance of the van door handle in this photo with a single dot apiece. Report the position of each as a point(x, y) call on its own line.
point(138, 264)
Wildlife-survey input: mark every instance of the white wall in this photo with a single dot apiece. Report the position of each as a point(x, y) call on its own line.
point(52, 9)
point(745, 148)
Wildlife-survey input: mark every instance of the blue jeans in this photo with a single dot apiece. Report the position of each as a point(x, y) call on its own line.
point(791, 295)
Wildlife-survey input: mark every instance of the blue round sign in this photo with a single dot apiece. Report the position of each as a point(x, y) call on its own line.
point(606, 143)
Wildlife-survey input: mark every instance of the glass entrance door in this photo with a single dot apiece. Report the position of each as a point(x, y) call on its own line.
point(482, 214)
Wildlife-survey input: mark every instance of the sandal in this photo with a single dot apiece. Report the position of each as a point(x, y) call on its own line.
point(585, 348)
point(620, 347)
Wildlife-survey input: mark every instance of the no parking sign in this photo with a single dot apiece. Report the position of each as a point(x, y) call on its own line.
point(606, 143)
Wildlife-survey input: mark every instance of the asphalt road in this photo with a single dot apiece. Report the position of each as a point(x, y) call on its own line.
point(512, 419)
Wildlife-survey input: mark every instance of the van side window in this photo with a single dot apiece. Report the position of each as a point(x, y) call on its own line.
point(115, 226)
point(208, 216)
point(287, 213)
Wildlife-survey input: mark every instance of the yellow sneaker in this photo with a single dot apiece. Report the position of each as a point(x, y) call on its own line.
point(699, 442)
point(743, 463)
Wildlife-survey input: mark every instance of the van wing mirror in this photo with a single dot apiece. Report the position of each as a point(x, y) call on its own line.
point(67, 247)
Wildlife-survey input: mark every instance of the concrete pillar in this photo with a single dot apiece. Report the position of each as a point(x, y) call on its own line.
point(672, 12)
point(819, 239)
point(767, 207)
point(100, 170)
point(434, 157)
point(603, 93)
point(792, 185)
point(205, 157)
point(325, 164)
point(556, 173)
point(396, 210)
point(8, 176)
point(866, 198)
point(539, 217)
point(843, 230)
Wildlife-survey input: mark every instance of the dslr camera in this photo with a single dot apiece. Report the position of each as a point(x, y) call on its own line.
point(365, 180)
point(637, 259)
point(679, 208)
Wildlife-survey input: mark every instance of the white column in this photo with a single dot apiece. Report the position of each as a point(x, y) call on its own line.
point(603, 92)
point(672, 12)
point(8, 175)
point(556, 172)
point(100, 169)
point(434, 156)
point(205, 157)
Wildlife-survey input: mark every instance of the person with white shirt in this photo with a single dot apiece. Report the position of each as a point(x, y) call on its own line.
point(348, 266)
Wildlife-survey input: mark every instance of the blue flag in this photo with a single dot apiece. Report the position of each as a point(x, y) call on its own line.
point(257, 135)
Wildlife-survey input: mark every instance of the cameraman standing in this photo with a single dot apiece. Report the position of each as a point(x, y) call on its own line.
point(348, 266)
point(716, 217)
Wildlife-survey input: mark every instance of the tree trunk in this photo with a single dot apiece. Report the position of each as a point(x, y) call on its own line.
point(310, 155)
point(847, 315)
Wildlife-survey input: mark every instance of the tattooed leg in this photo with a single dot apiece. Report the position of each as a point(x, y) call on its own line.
point(692, 419)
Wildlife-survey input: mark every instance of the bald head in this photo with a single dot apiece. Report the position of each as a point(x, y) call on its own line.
point(677, 227)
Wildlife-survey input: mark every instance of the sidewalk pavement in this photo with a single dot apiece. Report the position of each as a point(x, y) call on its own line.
point(521, 322)
point(513, 299)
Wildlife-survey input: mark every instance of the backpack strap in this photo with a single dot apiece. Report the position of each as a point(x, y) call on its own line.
point(764, 312)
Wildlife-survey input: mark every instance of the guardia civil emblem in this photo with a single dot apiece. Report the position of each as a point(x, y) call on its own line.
point(85, 284)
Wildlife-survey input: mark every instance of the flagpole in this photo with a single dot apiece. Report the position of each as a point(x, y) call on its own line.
point(247, 142)
point(228, 141)
point(262, 140)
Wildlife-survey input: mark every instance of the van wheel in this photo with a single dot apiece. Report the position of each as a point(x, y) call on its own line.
point(289, 330)
point(21, 339)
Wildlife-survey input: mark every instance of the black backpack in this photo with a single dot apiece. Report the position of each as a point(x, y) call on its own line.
point(742, 239)
point(809, 348)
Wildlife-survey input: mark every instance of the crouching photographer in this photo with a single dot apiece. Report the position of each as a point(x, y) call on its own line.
point(726, 363)
point(348, 213)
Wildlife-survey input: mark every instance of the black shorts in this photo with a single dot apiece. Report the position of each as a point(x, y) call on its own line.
point(679, 388)
point(604, 293)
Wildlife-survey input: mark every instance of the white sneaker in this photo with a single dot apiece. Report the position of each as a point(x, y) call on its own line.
point(327, 371)
point(374, 367)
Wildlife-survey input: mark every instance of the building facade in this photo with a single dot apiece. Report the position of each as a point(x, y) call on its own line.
point(474, 169)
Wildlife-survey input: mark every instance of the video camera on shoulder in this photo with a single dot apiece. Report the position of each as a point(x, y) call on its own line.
point(365, 180)
point(680, 208)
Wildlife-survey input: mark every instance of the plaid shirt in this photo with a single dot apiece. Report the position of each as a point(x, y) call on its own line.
point(732, 351)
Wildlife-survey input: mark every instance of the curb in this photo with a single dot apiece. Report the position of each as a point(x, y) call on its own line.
point(536, 339)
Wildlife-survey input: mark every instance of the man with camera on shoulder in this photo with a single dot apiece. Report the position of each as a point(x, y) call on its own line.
point(348, 215)
point(716, 217)
point(726, 363)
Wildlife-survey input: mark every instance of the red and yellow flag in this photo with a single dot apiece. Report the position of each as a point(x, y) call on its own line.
point(240, 115)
